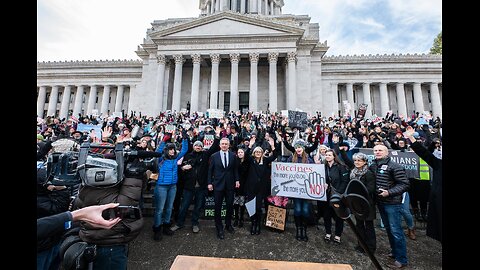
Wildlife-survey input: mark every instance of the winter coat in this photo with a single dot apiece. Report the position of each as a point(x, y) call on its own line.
point(434, 219)
point(390, 176)
point(199, 163)
point(126, 193)
point(168, 168)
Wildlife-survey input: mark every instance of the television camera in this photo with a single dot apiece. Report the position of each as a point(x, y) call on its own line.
point(99, 170)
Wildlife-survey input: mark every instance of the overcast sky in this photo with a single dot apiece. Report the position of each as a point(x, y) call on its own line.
point(112, 29)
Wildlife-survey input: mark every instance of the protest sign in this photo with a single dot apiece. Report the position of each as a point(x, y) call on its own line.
point(88, 127)
point(362, 109)
point(215, 113)
point(210, 208)
point(276, 217)
point(299, 180)
point(297, 119)
point(409, 160)
point(208, 141)
point(170, 129)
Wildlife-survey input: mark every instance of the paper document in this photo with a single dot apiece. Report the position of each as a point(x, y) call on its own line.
point(251, 206)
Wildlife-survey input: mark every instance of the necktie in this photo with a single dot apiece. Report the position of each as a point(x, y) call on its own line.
point(225, 160)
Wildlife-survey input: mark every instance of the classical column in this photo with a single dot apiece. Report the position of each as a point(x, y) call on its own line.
point(77, 107)
point(52, 102)
point(335, 98)
point(242, 6)
point(367, 99)
point(401, 100)
point(266, 7)
point(159, 85)
point(234, 94)
point(105, 100)
point(271, 7)
point(209, 8)
point(119, 99)
point(259, 6)
point(196, 59)
point(177, 83)
point(42, 94)
point(436, 102)
point(65, 102)
point(383, 99)
point(287, 88)
point(253, 98)
point(92, 98)
point(166, 85)
point(214, 87)
point(418, 97)
point(217, 5)
point(292, 80)
point(252, 6)
point(222, 5)
point(272, 81)
point(350, 99)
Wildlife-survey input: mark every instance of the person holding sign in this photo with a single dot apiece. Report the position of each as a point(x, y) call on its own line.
point(256, 185)
point(223, 178)
point(337, 178)
point(195, 181)
point(301, 211)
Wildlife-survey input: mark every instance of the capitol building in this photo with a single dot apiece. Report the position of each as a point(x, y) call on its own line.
point(240, 55)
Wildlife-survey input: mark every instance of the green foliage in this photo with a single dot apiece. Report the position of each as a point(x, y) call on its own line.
point(437, 45)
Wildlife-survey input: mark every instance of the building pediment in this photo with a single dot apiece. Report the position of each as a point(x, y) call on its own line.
point(227, 24)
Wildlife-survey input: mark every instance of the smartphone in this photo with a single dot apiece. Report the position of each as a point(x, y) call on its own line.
point(123, 212)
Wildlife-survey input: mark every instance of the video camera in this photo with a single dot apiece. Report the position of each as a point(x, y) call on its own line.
point(91, 169)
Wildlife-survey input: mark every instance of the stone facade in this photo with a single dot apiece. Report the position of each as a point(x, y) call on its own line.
point(239, 55)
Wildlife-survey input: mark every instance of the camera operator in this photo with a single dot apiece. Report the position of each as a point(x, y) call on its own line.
point(112, 244)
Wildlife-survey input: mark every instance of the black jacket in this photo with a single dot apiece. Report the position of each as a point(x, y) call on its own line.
point(337, 176)
point(434, 219)
point(223, 178)
point(199, 163)
point(392, 177)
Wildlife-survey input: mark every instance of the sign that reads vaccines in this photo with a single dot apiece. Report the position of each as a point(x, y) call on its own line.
point(299, 180)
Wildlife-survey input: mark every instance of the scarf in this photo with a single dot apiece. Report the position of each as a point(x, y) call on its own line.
point(357, 173)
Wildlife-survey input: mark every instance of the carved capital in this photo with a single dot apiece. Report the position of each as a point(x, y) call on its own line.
point(234, 58)
point(196, 58)
point(215, 57)
point(272, 57)
point(161, 59)
point(291, 56)
point(179, 60)
point(254, 57)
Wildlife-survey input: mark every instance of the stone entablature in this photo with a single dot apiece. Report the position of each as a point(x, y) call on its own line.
point(382, 58)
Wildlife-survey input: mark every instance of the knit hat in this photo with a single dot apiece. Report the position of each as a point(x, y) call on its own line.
point(299, 143)
point(40, 137)
point(198, 143)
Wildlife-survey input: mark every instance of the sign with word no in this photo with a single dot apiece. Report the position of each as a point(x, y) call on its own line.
point(299, 180)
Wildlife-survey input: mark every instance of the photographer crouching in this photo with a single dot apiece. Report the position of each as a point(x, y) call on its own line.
point(106, 181)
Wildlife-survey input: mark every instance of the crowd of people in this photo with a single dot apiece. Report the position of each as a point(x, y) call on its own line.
point(230, 156)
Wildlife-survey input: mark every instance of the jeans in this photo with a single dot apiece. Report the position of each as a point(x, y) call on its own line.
point(164, 197)
point(199, 194)
point(301, 207)
point(392, 217)
point(111, 257)
point(49, 259)
point(407, 215)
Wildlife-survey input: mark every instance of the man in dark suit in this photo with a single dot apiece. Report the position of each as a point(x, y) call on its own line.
point(223, 178)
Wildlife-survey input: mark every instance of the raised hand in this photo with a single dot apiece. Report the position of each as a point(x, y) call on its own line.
point(315, 185)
